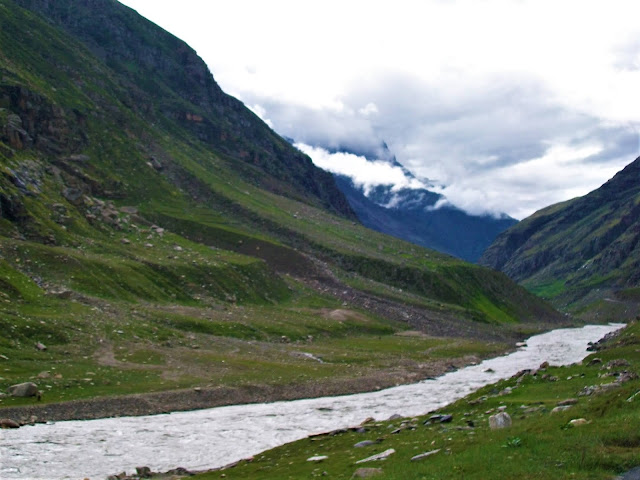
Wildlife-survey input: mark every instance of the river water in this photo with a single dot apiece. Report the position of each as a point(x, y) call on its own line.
point(213, 437)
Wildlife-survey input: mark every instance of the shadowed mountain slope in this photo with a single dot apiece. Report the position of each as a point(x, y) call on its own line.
point(582, 250)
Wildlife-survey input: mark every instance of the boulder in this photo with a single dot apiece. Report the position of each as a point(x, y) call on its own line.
point(27, 389)
point(499, 420)
point(8, 423)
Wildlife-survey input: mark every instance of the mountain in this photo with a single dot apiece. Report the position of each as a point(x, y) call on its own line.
point(410, 214)
point(420, 215)
point(157, 234)
point(581, 251)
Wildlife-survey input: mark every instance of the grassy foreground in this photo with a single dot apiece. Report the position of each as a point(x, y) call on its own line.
point(540, 444)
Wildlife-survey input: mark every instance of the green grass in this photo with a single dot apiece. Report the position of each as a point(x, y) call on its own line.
point(539, 445)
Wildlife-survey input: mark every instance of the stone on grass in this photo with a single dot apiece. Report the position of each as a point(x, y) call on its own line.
point(422, 456)
point(395, 416)
point(576, 422)
point(364, 443)
point(27, 389)
point(499, 420)
point(561, 408)
point(568, 401)
point(380, 456)
point(367, 472)
point(317, 458)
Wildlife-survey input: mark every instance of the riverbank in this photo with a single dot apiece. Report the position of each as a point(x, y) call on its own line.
point(201, 398)
point(571, 422)
point(218, 436)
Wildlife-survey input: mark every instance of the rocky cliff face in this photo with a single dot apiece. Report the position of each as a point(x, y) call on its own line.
point(164, 79)
point(569, 249)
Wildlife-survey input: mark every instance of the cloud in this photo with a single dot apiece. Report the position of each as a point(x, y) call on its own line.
point(365, 173)
point(500, 145)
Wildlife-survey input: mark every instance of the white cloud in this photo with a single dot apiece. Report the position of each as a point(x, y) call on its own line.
point(364, 173)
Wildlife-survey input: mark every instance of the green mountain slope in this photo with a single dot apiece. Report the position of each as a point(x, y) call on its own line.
point(153, 231)
point(580, 251)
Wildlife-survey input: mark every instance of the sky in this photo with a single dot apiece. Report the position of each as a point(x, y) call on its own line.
point(500, 105)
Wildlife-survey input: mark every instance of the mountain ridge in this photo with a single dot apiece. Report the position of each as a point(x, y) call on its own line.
point(567, 250)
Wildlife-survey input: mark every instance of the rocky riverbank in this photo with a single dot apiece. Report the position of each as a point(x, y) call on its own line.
point(199, 398)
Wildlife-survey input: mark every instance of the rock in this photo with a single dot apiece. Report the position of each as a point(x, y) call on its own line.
point(626, 377)
point(522, 373)
point(561, 408)
point(594, 361)
point(317, 458)
point(41, 347)
point(544, 365)
point(368, 420)
point(576, 422)
point(506, 391)
point(364, 443)
point(44, 375)
point(8, 423)
point(380, 456)
point(633, 474)
point(367, 472)
point(143, 472)
point(521, 344)
point(438, 419)
point(125, 241)
point(568, 401)
point(395, 416)
point(618, 362)
point(499, 420)
point(422, 456)
point(27, 389)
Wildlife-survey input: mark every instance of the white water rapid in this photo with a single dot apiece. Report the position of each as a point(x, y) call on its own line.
point(204, 439)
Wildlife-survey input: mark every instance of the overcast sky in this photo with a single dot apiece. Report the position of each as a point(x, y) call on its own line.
point(505, 106)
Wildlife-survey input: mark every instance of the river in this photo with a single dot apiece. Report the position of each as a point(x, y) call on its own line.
point(213, 437)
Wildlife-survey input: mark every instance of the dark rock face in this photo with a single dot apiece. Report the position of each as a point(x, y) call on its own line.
point(169, 81)
point(35, 122)
point(595, 238)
